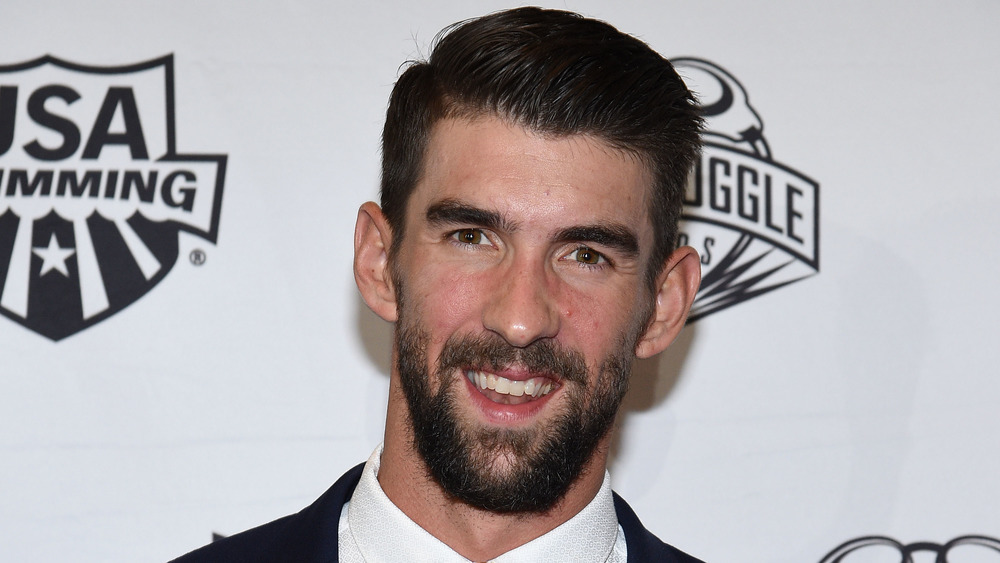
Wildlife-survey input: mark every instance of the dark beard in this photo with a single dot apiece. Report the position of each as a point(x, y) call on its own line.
point(541, 463)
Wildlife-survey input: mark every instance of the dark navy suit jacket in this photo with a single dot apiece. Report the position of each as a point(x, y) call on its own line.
point(310, 536)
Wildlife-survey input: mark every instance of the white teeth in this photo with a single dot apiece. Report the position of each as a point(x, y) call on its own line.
point(529, 387)
point(535, 387)
point(516, 388)
point(503, 386)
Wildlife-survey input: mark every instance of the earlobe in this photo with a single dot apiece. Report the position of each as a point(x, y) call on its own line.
point(372, 240)
point(677, 286)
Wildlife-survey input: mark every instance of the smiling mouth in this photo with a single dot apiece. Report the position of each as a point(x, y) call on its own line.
point(507, 391)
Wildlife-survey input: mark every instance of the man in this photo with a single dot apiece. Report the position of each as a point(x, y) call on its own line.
point(533, 170)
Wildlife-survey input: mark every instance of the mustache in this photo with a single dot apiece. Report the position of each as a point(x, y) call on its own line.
point(492, 351)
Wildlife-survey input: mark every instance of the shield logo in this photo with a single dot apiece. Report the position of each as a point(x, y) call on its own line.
point(753, 220)
point(93, 192)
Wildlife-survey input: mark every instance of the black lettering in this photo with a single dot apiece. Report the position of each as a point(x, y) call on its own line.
point(187, 192)
point(111, 184)
point(714, 187)
point(682, 239)
point(8, 110)
point(792, 213)
point(69, 131)
point(42, 179)
point(68, 180)
point(706, 255)
point(101, 134)
point(742, 197)
point(146, 190)
point(769, 206)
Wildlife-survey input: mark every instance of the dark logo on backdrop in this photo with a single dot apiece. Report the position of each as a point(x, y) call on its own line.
point(754, 220)
point(882, 548)
point(93, 192)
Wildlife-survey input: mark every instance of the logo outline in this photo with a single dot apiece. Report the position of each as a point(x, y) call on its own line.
point(57, 329)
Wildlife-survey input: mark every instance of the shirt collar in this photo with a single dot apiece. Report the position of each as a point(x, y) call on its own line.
point(382, 532)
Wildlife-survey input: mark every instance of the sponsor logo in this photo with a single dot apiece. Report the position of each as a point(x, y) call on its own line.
point(882, 548)
point(93, 191)
point(754, 220)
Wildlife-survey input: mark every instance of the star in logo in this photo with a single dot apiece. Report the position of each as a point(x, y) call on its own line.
point(53, 257)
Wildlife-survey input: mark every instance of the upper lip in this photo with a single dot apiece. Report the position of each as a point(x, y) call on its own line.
point(515, 373)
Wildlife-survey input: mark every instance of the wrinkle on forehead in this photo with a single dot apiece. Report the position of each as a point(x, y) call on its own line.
point(549, 149)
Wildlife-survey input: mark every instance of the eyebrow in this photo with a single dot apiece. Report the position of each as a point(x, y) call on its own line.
point(611, 235)
point(454, 212)
point(618, 237)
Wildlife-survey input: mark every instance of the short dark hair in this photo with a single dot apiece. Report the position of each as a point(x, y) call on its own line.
point(552, 72)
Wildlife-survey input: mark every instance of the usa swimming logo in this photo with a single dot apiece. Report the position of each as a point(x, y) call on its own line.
point(93, 192)
point(753, 220)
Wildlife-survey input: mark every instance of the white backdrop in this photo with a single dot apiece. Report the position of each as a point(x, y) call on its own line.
point(859, 401)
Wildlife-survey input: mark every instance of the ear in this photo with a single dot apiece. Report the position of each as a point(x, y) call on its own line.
point(677, 286)
point(372, 240)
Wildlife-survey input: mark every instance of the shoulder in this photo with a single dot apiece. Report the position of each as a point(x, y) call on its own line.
point(642, 544)
point(307, 536)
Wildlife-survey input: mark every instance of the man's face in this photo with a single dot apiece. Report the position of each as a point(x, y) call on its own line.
point(521, 295)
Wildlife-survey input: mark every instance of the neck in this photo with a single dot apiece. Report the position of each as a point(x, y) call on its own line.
point(476, 534)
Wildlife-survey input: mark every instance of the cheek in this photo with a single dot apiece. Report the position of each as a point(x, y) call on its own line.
point(596, 320)
point(586, 318)
point(445, 302)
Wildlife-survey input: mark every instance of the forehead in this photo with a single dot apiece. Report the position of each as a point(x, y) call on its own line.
point(491, 163)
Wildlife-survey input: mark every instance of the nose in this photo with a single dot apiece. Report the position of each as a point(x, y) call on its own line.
point(522, 308)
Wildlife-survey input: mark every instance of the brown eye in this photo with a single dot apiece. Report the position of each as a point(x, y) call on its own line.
point(587, 255)
point(469, 236)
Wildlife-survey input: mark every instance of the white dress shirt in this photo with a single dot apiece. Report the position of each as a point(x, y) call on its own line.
point(372, 529)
